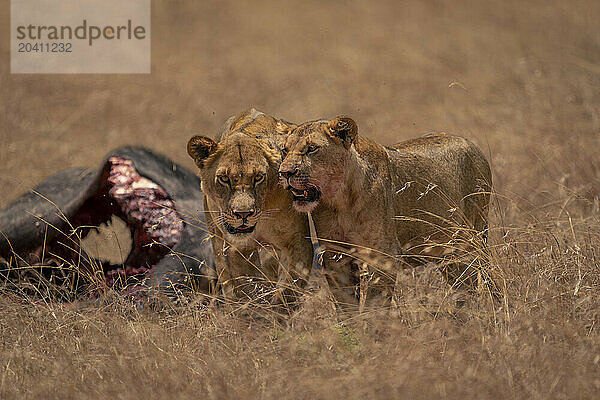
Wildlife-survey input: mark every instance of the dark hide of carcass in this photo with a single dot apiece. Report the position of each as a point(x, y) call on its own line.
point(160, 201)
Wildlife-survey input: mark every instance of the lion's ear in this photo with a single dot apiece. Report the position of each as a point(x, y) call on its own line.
point(343, 128)
point(200, 148)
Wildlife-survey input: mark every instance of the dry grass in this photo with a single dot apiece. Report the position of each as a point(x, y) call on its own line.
point(520, 79)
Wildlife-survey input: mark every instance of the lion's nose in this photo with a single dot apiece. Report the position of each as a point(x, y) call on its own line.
point(287, 174)
point(243, 214)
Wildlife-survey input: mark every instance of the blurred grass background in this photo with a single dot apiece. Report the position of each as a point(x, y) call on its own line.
point(520, 79)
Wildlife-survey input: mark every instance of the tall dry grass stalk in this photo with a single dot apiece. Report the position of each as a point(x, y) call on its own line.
point(518, 78)
point(434, 339)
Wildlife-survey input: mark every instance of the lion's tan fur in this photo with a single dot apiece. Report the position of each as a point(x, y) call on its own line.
point(250, 142)
point(412, 199)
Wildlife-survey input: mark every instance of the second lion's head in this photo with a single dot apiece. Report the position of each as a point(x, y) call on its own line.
point(315, 159)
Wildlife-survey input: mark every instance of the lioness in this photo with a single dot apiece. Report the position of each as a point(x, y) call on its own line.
point(416, 198)
point(245, 206)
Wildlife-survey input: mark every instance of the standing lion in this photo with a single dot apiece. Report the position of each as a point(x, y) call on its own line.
point(247, 210)
point(422, 200)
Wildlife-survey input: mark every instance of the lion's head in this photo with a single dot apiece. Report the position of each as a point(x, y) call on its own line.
point(315, 159)
point(238, 172)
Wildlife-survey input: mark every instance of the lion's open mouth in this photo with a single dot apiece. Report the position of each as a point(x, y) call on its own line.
point(240, 229)
point(309, 194)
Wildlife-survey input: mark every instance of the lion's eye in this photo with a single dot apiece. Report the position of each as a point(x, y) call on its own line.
point(312, 149)
point(223, 180)
point(259, 179)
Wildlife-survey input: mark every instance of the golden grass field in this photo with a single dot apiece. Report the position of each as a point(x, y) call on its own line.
point(520, 79)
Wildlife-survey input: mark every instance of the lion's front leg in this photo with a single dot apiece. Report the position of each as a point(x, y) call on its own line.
point(230, 263)
point(378, 271)
point(243, 276)
point(296, 260)
point(218, 246)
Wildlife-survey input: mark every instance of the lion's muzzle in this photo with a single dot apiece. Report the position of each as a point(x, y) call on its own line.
point(239, 230)
point(240, 222)
point(301, 188)
point(305, 194)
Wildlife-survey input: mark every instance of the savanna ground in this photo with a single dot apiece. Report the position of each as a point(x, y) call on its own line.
point(520, 79)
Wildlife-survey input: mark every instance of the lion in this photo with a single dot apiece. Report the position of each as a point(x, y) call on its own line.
point(245, 207)
point(417, 201)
